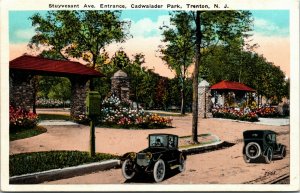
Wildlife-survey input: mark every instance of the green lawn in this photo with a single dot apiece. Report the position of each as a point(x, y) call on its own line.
point(27, 133)
point(54, 117)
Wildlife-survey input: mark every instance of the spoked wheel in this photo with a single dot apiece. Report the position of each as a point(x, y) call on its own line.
point(269, 156)
point(159, 170)
point(128, 169)
point(246, 158)
point(182, 163)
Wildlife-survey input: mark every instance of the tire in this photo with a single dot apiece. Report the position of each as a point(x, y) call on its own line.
point(128, 170)
point(283, 152)
point(246, 158)
point(182, 163)
point(253, 150)
point(269, 156)
point(159, 170)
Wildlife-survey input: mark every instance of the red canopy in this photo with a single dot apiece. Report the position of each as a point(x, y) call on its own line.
point(48, 66)
point(227, 85)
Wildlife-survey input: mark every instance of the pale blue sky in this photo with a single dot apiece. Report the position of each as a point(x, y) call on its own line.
point(145, 23)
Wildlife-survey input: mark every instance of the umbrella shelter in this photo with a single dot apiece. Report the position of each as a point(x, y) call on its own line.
point(228, 93)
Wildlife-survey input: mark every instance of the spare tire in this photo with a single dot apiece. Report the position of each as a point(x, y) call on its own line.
point(253, 150)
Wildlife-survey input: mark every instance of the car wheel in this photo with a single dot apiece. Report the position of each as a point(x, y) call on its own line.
point(128, 169)
point(182, 164)
point(246, 158)
point(159, 170)
point(283, 152)
point(269, 155)
point(253, 150)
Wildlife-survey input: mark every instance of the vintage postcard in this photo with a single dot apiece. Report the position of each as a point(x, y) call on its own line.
point(149, 95)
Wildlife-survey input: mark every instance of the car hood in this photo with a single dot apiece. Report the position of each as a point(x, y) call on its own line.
point(154, 150)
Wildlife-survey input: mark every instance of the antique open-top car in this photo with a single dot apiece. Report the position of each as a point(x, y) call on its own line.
point(161, 155)
point(262, 145)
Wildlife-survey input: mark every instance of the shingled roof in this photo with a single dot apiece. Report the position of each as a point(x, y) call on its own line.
point(41, 65)
point(228, 85)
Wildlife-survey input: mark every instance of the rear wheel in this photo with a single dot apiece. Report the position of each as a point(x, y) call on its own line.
point(269, 156)
point(128, 169)
point(159, 170)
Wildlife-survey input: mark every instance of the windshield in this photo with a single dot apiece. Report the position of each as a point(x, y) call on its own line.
point(163, 141)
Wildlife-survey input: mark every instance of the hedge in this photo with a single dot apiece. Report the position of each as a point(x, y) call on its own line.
point(25, 163)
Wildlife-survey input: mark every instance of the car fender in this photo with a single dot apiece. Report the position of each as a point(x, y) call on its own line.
point(126, 156)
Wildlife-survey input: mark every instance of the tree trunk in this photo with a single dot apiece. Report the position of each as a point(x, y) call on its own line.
point(182, 92)
point(195, 80)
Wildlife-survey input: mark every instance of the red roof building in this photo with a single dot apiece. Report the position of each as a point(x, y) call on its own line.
point(39, 65)
point(233, 86)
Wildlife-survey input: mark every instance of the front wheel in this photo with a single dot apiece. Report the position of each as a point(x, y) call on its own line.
point(182, 164)
point(159, 170)
point(269, 155)
point(128, 169)
point(283, 152)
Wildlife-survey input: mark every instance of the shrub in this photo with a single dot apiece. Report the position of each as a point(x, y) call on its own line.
point(25, 163)
point(20, 119)
point(117, 113)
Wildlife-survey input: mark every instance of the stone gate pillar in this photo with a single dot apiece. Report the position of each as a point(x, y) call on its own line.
point(120, 85)
point(204, 100)
point(21, 90)
point(78, 96)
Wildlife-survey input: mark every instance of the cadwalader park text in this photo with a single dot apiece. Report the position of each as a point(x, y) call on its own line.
point(132, 6)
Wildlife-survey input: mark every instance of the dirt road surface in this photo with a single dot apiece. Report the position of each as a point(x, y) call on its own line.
point(216, 167)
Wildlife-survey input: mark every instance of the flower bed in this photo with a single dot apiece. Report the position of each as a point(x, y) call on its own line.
point(20, 119)
point(267, 112)
point(120, 114)
point(231, 113)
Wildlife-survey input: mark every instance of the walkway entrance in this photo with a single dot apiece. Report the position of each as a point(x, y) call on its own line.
point(24, 68)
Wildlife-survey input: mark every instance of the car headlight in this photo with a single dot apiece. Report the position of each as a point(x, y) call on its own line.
point(132, 155)
point(148, 155)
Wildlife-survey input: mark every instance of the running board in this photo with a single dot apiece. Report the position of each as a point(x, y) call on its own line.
point(175, 166)
point(277, 156)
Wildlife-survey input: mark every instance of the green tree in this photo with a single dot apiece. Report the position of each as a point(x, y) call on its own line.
point(178, 48)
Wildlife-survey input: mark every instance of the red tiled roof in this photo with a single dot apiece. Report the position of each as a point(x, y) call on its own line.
point(59, 67)
point(227, 85)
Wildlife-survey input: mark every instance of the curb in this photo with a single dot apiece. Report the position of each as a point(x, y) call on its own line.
point(203, 148)
point(56, 174)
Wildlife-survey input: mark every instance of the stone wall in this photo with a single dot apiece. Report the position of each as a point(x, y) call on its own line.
point(20, 90)
point(78, 96)
point(204, 100)
point(120, 85)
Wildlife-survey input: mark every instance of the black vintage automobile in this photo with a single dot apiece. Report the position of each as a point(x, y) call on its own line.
point(161, 155)
point(261, 145)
